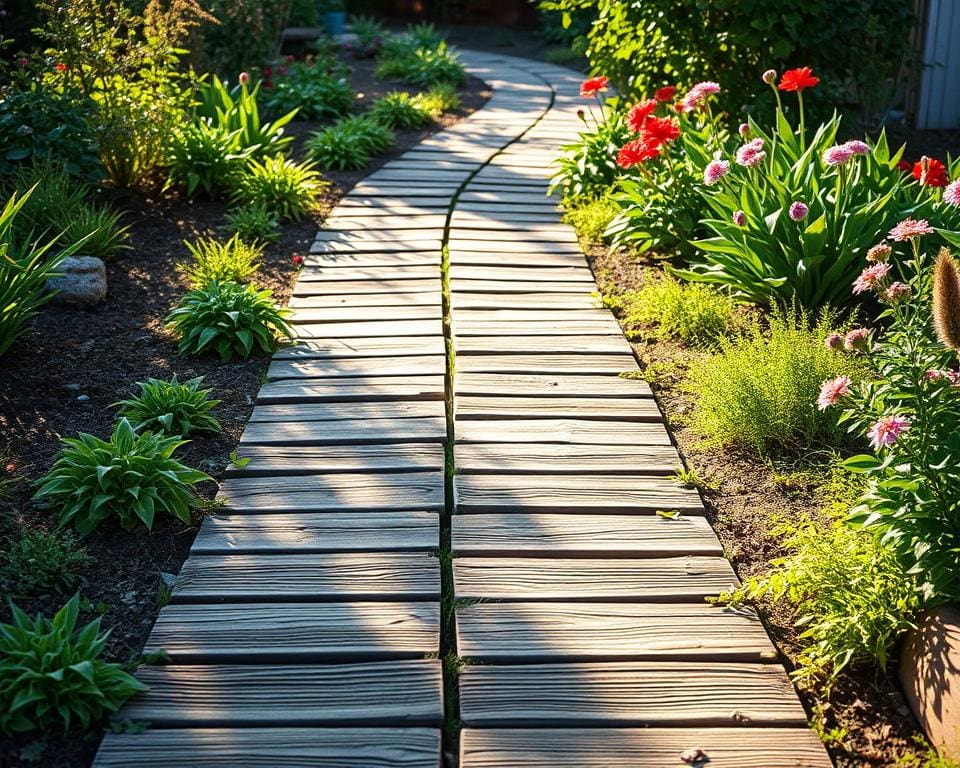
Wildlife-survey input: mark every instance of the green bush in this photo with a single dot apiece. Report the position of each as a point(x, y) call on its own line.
point(590, 218)
point(315, 88)
point(235, 260)
point(129, 477)
point(171, 407)
point(588, 167)
point(52, 675)
point(236, 110)
point(439, 99)
point(666, 308)
point(39, 561)
point(285, 188)
point(254, 223)
point(370, 36)
point(400, 111)
point(759, 391)
point(205, 157)
point(421, 66)
point(247, 33)
point(230, 319)
point(349, 143)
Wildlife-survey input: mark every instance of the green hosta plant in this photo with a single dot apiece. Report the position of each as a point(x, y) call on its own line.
point(129, 477)
point(420, 65)
point(171, 407)
point(909, 411)
point(234, 260)
point(230, 319)
point(793, 216)
point(236, 109)
point(51, 673)
point(399, 110)
point(285, 188)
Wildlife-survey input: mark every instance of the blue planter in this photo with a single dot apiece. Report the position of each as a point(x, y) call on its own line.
point(335, 22)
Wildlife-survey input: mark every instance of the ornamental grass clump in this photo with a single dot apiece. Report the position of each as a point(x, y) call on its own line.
point(52, 676)
point(285, 188)
point(128, 478)
point(908, 410)
point(758, 391)
point(214, 260)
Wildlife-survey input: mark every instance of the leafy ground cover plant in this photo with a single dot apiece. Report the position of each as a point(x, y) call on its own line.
point(128, 478)
point(909, 409)
point(230, 319)
point(205, 157)
point(253, 223)
point(316, 88)
point(439, 99)
point(590, 218)
point(234, 260)
point(399, 111)
point(370, 34)
point(283, 187)
point(421, 58)
point(39, 561)
point(665, 308)
point(51, 673)
point(171, 407)
point(349, 143)
point(758, 391)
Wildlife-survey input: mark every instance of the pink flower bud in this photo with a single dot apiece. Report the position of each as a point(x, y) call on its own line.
point(244, 78)
point(739, 218)
point(769, 77)
point(744, 130)
point(834, 342)
point(798, 211)
point(880, 253)
point(858, 340)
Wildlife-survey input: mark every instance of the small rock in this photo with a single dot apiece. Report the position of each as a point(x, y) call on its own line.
point(130, 597)
point(695, 756)
point(168, 579)
point(83, 281)
point(72, 387)
point(87, 346)
point(82, 398)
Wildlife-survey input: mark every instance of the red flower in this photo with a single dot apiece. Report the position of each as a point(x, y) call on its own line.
point(905, 166)
point(291, 59)
point(593, 86)
point(798, 79)
point(61, 67)
point(680, 107)
point(297, 259)
point(266, 71)
point(930, 172)
point(639, 113)
point(636, 151)
point(666, 93)
point(659, 130)
point(267, 84)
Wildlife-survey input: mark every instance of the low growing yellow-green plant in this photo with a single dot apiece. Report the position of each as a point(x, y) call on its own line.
point(213, 259)
point(590, 218)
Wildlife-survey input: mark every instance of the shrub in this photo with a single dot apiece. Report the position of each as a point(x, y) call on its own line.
point(247, 34)
point(759, 391)
point(848, 592)
point(399, 110)
point(909, 409)
point(349, 143)
point(666, 308)
point(213, 260)
point(797, 225)
point(129, 477)
point(228, 318)
point(590, 218)
point(24, 270)
point(315, 88)
point(236, 110)
point(254, 223)
point(205, 157)
point(370, 36)
point(40, 561)
point(421, 66)
point(285, 188)
point(171, 407)
point(588, 167)
point(439, 99)
point(51, 674)
point(59, 207)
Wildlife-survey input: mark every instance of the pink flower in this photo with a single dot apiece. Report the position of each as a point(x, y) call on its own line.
point(834, 342)
point(744, 130)
point(886, 431)
point(798, 210)
point(909, 229)
point(22, 62)
point(832, 390)
point(858, 340)
point(715, 170)
point(739, 218)
point(839, 154)
point(951, 195)
point(244, 78)
point(871, 277)
point(858, 147)
point(769, 77)
point(879, 252)
point(697, 95)
point(751, 154)
point(897, 292)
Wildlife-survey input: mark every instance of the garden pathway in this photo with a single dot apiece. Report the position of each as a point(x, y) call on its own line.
point(306, 627)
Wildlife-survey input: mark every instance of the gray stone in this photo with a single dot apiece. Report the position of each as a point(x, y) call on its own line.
point(83, 398)
point(83, 281)
point(168, 579)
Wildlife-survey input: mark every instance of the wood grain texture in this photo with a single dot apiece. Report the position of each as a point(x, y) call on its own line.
point(346, 431)
point(308, 578)
point(340, 287)
point(581, 431)
point(537, 632)
point(367, 300)
point(550, 386)
point(543, 286)
point(304, 533)
point(369, 328)
point(272, 748)
point(561, 325)
point(494, 407)
point(567, 459)
point(353, 274)
point(332, 493)
point(545, 363)
point(641, 748)
point(570, 535)
point(366, 389)
point(604, 344)
point(347, 314)
point(364, 347)
point(324, 459)
point(567, 301)
point(406, 365)
point(411, 409)
point(380, 693)
point(278, 633)
point(629, 694)
point(665, 580)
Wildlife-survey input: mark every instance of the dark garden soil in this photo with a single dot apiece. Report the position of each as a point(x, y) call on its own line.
point(62, 378)
point(745, 497)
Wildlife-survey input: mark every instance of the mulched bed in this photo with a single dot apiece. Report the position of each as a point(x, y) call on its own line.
point(62, 378)
point(744, 498)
